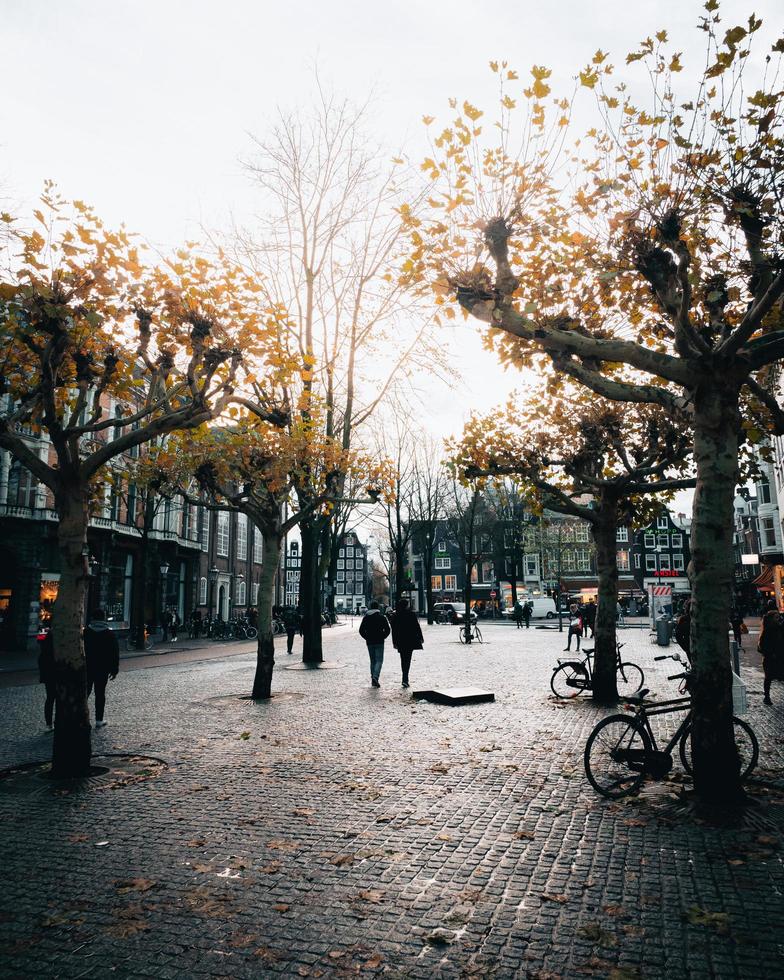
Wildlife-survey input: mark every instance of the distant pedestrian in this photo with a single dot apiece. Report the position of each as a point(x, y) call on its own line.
point(406, 635)
point(589, 616)
point(102, 653)
point(174, 624)
point(619, 614)
point(683, 629)
point(771, 646)
point(575, 626)
point(292, 623)
point(374, 629)
point(518, 614)
point(46, 675)
point(253, 617)
point(738, 626)
point(527, 610)
point(196, 623)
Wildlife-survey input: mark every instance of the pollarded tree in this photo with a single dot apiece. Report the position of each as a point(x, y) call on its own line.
point(589, 459)
point(646, 264)
point(83, 324)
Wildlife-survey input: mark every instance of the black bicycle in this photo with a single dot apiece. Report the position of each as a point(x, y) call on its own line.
point(470, 632)
point(622, 749)
point(573, 677)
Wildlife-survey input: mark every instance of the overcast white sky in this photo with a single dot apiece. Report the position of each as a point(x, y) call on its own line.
point(142, 107)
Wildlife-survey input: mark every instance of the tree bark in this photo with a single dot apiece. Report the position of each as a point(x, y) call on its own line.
point(71, 750)
point(605, 530)
point(265, 652)
point(309, 598)
point(716, 443)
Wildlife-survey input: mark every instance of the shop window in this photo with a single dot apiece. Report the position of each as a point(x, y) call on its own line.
point(623, 561)
point(435, 583)
point(222, 533)
point(202, 591)
point(242, 536)
point(450, 583)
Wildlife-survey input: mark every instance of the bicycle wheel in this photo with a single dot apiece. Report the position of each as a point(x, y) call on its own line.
point(478, 634)
point(569, 680)
point(630, 679)
point(745, 739)
point(615, 756)
point(251, 632)
point(462, 634)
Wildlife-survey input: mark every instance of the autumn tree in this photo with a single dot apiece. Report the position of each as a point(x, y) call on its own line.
point(428, 510)
point(466, 515)
point(589, 459)
point(326, 251)
point(646, 264)
point(83, 324)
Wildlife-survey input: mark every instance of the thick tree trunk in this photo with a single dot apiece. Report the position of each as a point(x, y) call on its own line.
point(716, 440)
point(265, 653)
point(309, 598)
point(72, 751)
point(605, 530)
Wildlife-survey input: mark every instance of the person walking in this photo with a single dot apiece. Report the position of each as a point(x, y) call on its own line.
point(46, 676)
point(589, 616)
point(518, 614)
point(738, 626)
point(527, 610)
point(406, 636)
point(683, 629)
point(575, 626)
point(374, 629)
point(292, 624)
point(174, 624)
point(771, 646)
point(102, 653)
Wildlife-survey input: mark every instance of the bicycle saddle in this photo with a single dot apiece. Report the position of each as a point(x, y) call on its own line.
point(637, 698)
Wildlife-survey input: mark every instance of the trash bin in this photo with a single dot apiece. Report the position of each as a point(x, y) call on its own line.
point(663, 631)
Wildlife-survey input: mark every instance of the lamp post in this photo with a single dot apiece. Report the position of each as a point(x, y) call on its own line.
point(94, 568)
point(164, 570)
point(213, 573)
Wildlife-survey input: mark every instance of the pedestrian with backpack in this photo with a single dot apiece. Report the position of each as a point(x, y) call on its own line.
point(374, 629)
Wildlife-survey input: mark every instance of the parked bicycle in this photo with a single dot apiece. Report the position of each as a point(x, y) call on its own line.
point(622, 749)
point(470, 632)
point(242, 629)
point(572, 677)
point(131, 639)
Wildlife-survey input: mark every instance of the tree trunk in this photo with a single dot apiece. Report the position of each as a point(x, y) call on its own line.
point(140, 588)
point(716, 440)
point(467, 625)
point(71, 751)
point(265, 653)
point(309, 598)
point(605, 530)
point(513, 582)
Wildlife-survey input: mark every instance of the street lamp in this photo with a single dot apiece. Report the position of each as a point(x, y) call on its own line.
point(213, 573)
point(164, 570)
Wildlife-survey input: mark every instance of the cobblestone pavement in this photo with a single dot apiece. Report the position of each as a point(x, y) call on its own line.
point(341, 830)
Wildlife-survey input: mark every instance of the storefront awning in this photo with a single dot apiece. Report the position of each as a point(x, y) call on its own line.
point(765, 579)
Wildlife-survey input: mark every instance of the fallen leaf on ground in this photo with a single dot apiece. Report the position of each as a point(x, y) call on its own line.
point(440, 937)
point(524, 835)
point(124, 886)
point(272, 868)
point(342, 860)
point(281, 907)
point(368, 895)
point(719, 921)
point(595, 933)
point(561, 899)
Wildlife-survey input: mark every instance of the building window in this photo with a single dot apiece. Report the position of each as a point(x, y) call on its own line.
point(258, 547)
point(662, 541)
point(650, 563)
point(677, 540)
point(222, 533)
point(488, 572)
point(768, 532)
point(581, 533)
point(583, 560)
point(341, 588)
point(341, 575)
point(450, 583)
point(202, 591)
point(623, 561)
point(664, 562)
point(661, 522)
point(677, 563)
point(435, 583)
point(341, 563)
point(531, 563)
point(441, 547)
point(240, 592)
point(636, 561)
point(205, 530)
point(650, 539)
point(443, 563)
point(623, 534)
point(349, 563)
point(474, 575)
point(349, 552)
point(242, 536)
point(763, 492)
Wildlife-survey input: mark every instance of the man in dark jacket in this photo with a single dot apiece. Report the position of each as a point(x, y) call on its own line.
point(406, 635)
point(683, 629)
point(589, 616)
point(374, 629)
point(527, 610)
point(292, 622)
point(102, 653)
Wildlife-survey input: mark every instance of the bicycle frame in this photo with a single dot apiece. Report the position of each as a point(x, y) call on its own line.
point(643, 715)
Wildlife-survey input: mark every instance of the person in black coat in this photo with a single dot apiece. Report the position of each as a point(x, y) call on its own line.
point(46, 675)
point(406, 635)
point(771, 646)
point(102, 652)
point(374, 629)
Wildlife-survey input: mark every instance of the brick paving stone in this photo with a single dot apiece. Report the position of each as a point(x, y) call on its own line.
point(352, 829)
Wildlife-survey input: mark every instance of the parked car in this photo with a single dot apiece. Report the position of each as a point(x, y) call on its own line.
point(542, 607)
point(453, 612)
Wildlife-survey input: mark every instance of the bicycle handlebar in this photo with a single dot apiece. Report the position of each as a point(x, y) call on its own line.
point(679, 677)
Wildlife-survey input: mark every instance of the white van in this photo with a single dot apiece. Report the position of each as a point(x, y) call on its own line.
point(542, 607)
